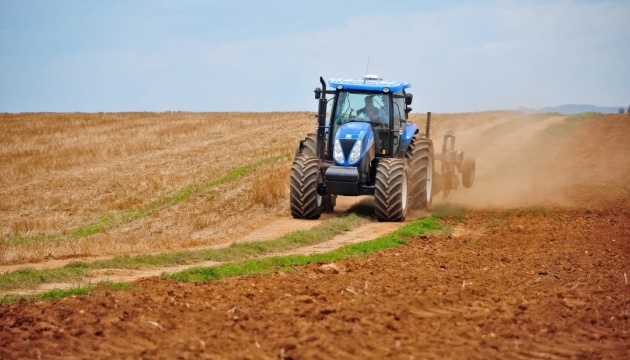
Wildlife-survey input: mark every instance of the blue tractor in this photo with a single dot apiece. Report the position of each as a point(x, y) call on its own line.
point(369, 147)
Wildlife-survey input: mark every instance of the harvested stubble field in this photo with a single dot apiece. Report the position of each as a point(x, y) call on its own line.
point(106, 184)
point(532, 262)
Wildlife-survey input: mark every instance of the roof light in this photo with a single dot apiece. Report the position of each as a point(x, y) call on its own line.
point(386, 90)
point(372, 77)
point(339, 87)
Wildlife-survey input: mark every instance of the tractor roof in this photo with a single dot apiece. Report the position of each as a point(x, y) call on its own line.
point(369, 83)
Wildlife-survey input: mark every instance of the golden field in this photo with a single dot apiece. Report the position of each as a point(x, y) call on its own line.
point(139, 182)
point(103, 184)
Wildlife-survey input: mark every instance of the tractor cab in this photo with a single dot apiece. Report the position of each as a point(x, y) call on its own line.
point(360, 105)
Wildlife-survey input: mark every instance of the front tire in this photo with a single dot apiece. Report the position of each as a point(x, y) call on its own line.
point(391, 196)
point(309, 148)
point(305, 201)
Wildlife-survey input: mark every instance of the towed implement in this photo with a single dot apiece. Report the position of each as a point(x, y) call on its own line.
point(369, 147)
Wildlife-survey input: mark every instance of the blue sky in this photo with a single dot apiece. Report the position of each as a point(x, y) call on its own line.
point(246, 55)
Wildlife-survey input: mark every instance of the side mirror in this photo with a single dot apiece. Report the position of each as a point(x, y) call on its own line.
point(312, 116)
point(408, 99)
point(318, 93)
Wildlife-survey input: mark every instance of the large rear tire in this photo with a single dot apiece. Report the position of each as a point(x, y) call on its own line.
point(305, 201)
point(391, 195)
point(420, 158)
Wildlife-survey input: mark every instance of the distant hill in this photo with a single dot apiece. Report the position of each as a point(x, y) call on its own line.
point(571, 109)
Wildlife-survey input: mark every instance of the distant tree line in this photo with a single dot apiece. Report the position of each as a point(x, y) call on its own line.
point(621, 110)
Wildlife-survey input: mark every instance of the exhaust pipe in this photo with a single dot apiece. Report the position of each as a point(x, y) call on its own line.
point(321, 121)
point(428, 132)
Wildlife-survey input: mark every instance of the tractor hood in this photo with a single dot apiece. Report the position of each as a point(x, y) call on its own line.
point(352, 141)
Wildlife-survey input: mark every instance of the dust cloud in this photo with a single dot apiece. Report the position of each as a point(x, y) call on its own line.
point(538, 160)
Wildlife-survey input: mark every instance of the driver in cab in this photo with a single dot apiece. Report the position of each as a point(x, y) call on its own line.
point(378, 118)
point(369, 110)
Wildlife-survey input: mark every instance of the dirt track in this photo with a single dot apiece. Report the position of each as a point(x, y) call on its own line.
point(546, 281)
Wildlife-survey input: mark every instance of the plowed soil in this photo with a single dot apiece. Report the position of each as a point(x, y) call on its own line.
point(535, 268)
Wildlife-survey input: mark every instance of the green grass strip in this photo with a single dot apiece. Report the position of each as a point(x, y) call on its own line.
point(234, 174)
point(28, 278)
point(61, 293)
point(287, 263)
point(256, 266)
point(31, 278)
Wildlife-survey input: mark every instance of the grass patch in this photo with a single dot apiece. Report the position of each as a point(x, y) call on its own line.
point(418, 227)
point(182, 195)
point(61, 293)
point(31, 278)
point(236, 251)
point(117, 285)
point(75, 271)
point(288, 263)
point(283, 263)
point(94, 228)
point(234, 174)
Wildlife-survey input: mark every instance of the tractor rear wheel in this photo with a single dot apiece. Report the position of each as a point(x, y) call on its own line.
point(468, 172)
point(420, 159)
point(305, 201)
point(391, 190)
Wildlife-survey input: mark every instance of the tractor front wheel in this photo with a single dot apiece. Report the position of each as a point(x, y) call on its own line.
point(305, 201)
point(309, 146)
point(391, 190)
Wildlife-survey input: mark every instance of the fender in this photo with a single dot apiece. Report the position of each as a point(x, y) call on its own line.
point(405, 139)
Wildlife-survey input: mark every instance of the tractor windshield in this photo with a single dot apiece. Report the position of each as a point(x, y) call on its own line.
point(373, 108)
point(362, 106)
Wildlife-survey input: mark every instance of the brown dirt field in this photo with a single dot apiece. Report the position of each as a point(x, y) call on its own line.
point(537, 269)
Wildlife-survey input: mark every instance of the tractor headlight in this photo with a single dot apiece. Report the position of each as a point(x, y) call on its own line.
point(355, 154)
point(338, 152)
